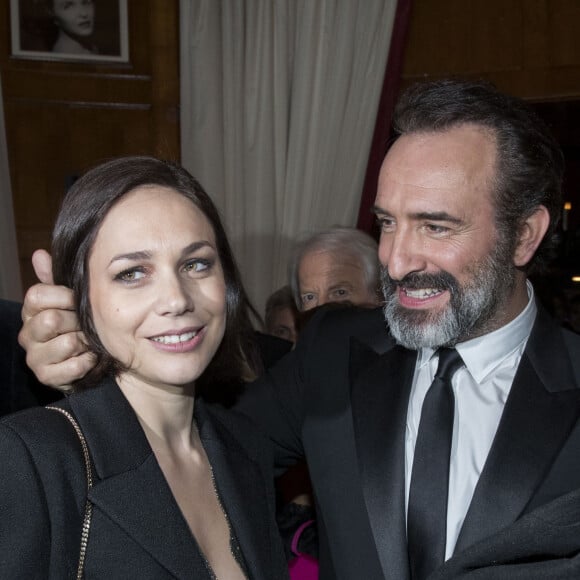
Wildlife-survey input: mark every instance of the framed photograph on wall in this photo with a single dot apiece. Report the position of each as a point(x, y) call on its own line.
point(70, 30)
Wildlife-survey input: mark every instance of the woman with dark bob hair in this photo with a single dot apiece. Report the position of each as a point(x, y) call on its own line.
point(132, 476)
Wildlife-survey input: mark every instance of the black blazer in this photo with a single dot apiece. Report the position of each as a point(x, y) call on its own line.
point(137, 530)
point(341, 399)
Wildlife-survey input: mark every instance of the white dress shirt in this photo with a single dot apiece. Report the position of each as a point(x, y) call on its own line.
point(481, 389)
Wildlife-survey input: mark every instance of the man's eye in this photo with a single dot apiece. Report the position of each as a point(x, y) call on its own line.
point(386, 224)
point(282, 332)
point(342, 292)
point(307, 298)
point(436, 228)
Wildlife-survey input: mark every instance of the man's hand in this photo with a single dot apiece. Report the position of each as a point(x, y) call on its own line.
point(56, 350)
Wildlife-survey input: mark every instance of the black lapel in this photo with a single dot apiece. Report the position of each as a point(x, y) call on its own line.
point(243, 492)
point(130, 487)
point(542, 407)
point(380, 395)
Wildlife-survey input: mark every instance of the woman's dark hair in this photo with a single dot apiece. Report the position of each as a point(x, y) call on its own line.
point(530, 165)
point(83, 210)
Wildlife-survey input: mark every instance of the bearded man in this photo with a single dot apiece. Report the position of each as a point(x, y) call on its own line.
point(445, 443)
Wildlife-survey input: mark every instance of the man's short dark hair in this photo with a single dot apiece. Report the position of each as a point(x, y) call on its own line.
point(530, 161)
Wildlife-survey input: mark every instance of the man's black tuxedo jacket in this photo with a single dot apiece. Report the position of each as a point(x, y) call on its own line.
point(340, 398)
point(19, 388)
point(137, 530)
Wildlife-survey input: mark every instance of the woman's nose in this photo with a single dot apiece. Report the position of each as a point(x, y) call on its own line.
point(175, 297)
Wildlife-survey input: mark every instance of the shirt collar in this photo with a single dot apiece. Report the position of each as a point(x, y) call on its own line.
point(485, 353)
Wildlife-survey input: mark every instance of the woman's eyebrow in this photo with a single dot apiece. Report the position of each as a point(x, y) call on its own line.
point(147, 255)
point(196, 246)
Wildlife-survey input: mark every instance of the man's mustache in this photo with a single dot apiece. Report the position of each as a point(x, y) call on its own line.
point(414, 281)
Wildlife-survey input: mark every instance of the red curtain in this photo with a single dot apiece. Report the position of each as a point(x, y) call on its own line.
point(382, 131)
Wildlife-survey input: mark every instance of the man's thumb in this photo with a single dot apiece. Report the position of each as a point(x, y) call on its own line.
point(42, 264)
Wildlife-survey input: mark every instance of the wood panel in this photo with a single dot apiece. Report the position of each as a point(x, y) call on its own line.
point(62, 118)
point(530, 48)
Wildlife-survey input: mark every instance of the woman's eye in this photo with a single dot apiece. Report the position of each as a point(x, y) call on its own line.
point(130, 275)
point(197, 265)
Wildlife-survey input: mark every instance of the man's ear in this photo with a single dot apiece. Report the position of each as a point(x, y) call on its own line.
point(532, 232)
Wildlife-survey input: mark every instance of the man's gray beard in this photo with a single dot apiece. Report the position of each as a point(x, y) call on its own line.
point(468, 313)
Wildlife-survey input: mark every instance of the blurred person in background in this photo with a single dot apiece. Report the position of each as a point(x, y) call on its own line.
point(281, 314)
point(339, 264)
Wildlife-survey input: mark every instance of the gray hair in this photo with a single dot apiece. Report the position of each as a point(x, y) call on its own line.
point(341, 240)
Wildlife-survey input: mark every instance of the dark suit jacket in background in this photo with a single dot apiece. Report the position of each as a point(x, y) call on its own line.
point(19, 388)
point(137, 530)
point(341, 399)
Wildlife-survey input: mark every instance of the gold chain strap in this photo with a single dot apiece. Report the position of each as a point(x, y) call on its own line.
point(88, 506)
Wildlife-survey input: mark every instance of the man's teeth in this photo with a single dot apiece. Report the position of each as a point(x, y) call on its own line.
point(175, 338)
point(422, 292)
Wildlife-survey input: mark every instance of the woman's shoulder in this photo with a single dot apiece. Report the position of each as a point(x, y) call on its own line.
point(43, 431)
point(44, 475)
point(29, 418)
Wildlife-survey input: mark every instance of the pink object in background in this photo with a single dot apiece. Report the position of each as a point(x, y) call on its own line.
point(303, 567)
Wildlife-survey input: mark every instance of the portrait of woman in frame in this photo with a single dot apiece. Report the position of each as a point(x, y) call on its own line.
point(70, 30)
